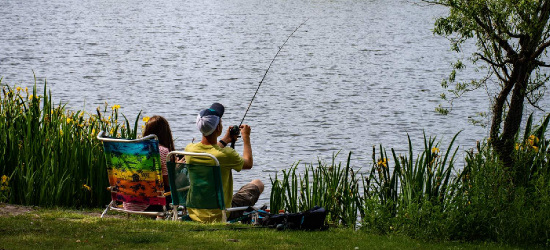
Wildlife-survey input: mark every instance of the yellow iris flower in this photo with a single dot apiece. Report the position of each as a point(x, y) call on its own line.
point(5, 179)
point(383, 162)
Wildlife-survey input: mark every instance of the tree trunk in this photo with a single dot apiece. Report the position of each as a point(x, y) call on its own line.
point(504, 142)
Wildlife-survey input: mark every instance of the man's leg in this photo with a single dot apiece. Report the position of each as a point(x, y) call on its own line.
point(246, 196)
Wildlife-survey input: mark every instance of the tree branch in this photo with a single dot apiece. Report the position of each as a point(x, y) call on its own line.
point(489, 61)
point(534, 104)
point(542, 64)
point(501, 42)
point(539, 50)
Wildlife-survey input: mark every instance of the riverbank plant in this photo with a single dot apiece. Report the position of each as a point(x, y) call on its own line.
point(424, 195)
point(49, 154)
point(331, 185)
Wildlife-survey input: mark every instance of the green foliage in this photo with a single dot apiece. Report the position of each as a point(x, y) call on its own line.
point(50, 154)
point(511, 36)
point(423, 195)
point(332, 186)
point(493, 205)
point(483, 201)
point(413, 197)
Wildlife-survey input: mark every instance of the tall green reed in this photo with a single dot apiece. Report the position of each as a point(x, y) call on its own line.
point(403, 194)
point(332, 186)
point(50, 154)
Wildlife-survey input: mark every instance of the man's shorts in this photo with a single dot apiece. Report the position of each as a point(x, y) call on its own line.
point(246, 196)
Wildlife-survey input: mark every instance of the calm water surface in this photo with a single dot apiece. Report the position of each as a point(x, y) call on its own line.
point(355, 75)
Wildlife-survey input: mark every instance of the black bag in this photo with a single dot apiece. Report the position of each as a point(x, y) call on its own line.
point(313, 219)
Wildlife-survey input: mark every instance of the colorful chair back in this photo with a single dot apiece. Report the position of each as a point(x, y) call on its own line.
point(134, 171)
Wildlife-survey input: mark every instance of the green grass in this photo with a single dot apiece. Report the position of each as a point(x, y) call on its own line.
point(70, 229)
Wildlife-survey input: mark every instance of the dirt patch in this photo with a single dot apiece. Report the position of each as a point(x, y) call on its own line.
point(13, 210)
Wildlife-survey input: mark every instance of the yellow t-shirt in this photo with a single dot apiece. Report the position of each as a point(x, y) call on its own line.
point(229, 159)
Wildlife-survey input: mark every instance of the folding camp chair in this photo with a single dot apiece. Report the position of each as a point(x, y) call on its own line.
point(134, 171)
point(196, 186)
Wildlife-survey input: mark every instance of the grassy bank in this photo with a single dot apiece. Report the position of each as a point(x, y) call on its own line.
point(70, 229)
point(49, 157)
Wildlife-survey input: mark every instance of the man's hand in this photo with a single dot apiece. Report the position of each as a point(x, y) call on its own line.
point(227, 138)
point(245, 131)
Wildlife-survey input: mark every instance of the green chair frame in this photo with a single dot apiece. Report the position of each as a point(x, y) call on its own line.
point(196, 186)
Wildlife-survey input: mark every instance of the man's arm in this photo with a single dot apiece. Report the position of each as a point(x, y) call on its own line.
point(247, 147)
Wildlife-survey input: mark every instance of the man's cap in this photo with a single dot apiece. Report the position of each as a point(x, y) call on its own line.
point(218, 108)
point(208, 119)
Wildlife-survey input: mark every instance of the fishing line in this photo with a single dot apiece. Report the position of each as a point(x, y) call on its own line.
point(235, 129)
point(261, 81)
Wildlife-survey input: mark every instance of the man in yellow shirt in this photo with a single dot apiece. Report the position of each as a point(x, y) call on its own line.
point(209, 122)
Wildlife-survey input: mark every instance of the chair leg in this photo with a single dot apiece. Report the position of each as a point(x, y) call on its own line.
point(175, 213)
point(106, 209)
point(224, 216)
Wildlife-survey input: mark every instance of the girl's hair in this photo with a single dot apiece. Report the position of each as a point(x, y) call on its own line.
point(159, 126)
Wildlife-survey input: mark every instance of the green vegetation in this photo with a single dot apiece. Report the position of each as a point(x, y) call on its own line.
point(64, 229)
point(512, 38)
point(49, 155)
point(426, 197)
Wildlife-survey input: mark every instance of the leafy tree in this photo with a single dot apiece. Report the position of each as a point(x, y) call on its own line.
point(512, 37)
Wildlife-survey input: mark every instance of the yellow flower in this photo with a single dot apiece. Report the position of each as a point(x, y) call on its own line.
point(30, 97)
point(27, 90)
point(146, 119)
point(93, 131)
point(517, 146)
point(116, 107)
point(69, 120)
point(532, 140)
point(536, 149)
point(5, 179)
point(435, 150)
point(383, 162)
point(61, 131)
point(87, 187)
point(18, 89)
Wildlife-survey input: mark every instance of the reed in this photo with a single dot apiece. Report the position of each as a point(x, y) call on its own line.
point(49, 155)
point(333, 186)
point(351, 197)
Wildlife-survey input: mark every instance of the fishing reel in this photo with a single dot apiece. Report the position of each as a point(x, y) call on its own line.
point(235, 130)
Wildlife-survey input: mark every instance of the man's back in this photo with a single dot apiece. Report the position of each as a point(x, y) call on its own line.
point(229, 159)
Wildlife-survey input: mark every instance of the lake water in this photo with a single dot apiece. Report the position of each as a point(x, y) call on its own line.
point(358, 73)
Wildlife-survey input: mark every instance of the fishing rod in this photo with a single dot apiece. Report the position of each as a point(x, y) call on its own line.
point(235, 130)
